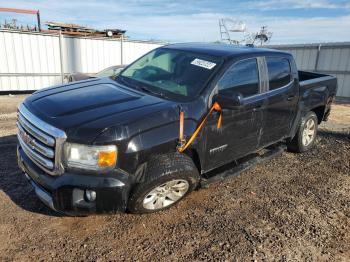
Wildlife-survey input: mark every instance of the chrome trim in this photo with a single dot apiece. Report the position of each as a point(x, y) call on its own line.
point(263, 74)
point(58, 135)
point(38, 159)
point(35, 132)
point(49, 129)
point(218, 149)
point(271, 91)
point(44, 196)
point(46, 151)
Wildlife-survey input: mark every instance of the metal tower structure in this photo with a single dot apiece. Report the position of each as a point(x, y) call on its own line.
point(263, 36)
point(228, 26)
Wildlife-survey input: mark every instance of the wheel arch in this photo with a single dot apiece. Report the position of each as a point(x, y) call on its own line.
point(159, 170)
point(194, 155)
point(319, 111)
point(142, 167)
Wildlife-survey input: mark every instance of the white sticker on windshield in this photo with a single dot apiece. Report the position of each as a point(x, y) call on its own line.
point(203, 63)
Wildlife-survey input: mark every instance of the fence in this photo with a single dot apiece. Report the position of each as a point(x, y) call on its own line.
point(329, 58)
point(30, 61)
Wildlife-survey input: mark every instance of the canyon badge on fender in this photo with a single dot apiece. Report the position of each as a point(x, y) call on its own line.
point(218, 149)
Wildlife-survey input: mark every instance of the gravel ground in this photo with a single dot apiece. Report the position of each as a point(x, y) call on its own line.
point(293, 207)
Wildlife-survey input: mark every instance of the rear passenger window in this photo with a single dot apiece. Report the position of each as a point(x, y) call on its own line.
point(242, 77)
point(279, 72)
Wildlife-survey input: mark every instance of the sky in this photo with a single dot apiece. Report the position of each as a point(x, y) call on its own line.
point(290, 21)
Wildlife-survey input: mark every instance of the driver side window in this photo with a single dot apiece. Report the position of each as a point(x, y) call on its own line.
point(242, 77)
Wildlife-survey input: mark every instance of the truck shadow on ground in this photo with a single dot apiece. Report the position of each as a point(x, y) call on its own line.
point(17, 188)
point(14, 184)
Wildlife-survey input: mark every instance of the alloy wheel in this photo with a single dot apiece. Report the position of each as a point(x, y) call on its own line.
point(165, 194)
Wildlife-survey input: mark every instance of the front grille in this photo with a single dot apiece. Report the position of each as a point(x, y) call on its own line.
point(41, 142)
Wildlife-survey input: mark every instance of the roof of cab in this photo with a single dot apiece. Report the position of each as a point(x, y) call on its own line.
point(222, 50)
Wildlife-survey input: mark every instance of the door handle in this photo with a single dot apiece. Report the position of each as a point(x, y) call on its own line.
point(290, 98)
point(257, 107)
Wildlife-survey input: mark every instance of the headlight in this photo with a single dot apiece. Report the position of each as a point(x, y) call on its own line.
point(90, 157)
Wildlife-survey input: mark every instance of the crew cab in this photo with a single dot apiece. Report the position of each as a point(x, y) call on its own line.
point(142, 141)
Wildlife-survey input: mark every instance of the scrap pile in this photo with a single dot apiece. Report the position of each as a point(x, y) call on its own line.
point(54, 27)
point(78, 30)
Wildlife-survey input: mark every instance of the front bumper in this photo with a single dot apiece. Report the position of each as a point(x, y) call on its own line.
point(66, 193)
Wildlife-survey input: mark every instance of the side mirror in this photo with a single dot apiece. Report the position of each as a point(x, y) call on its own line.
point(233, 101)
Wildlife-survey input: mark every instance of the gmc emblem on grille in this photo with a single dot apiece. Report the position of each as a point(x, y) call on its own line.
point(26, 138)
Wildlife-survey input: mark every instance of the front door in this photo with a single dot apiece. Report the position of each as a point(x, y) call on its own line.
point(240, 129)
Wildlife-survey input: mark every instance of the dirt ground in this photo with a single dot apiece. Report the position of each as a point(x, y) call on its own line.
point(294, 207)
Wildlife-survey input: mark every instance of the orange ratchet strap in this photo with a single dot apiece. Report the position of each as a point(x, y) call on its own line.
point(183, 144)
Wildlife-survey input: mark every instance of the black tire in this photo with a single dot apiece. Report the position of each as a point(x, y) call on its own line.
point(296, 144)
point(160, 170)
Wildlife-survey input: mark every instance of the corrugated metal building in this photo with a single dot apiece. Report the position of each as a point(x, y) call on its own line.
point(30, 61)
point(329, 58)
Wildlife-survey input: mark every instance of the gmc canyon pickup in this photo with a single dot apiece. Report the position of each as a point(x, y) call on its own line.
point(143, 140)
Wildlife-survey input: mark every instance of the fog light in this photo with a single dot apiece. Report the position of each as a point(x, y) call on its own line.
point(90, 195)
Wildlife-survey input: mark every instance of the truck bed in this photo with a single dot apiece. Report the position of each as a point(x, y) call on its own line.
point(307, 77)
point(317, 91)
point(316, 80)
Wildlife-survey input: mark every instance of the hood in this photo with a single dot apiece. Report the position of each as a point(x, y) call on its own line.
point(86, 108)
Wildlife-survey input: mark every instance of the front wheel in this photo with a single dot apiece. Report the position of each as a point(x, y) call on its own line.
point(167, 180)
point(306, 135)
point(166, 194)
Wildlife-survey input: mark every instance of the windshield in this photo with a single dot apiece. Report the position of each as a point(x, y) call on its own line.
point(110, 71)
point(171, 73)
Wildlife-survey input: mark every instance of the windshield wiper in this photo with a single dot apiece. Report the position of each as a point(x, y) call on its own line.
point(142, 88)
point(130, 82)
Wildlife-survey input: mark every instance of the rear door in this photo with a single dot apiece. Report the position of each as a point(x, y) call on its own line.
point(240, 129)
point(281, 100)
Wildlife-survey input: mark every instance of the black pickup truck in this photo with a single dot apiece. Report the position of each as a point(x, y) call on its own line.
point(142, 141)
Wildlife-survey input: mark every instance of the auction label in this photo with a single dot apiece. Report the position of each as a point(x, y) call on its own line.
point(203, 63)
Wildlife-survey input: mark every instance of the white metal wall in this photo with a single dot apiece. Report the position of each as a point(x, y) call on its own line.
point(31, 61)
point(329, 58)
point(28, 61)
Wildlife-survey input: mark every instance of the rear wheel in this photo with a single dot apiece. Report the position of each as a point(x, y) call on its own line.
point(167, 180)
point(306, 135)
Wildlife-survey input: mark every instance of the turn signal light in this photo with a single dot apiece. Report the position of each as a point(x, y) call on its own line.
point(107, 158)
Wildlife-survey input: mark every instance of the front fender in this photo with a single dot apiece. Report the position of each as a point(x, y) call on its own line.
point(153, 134)
point(156, 141)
